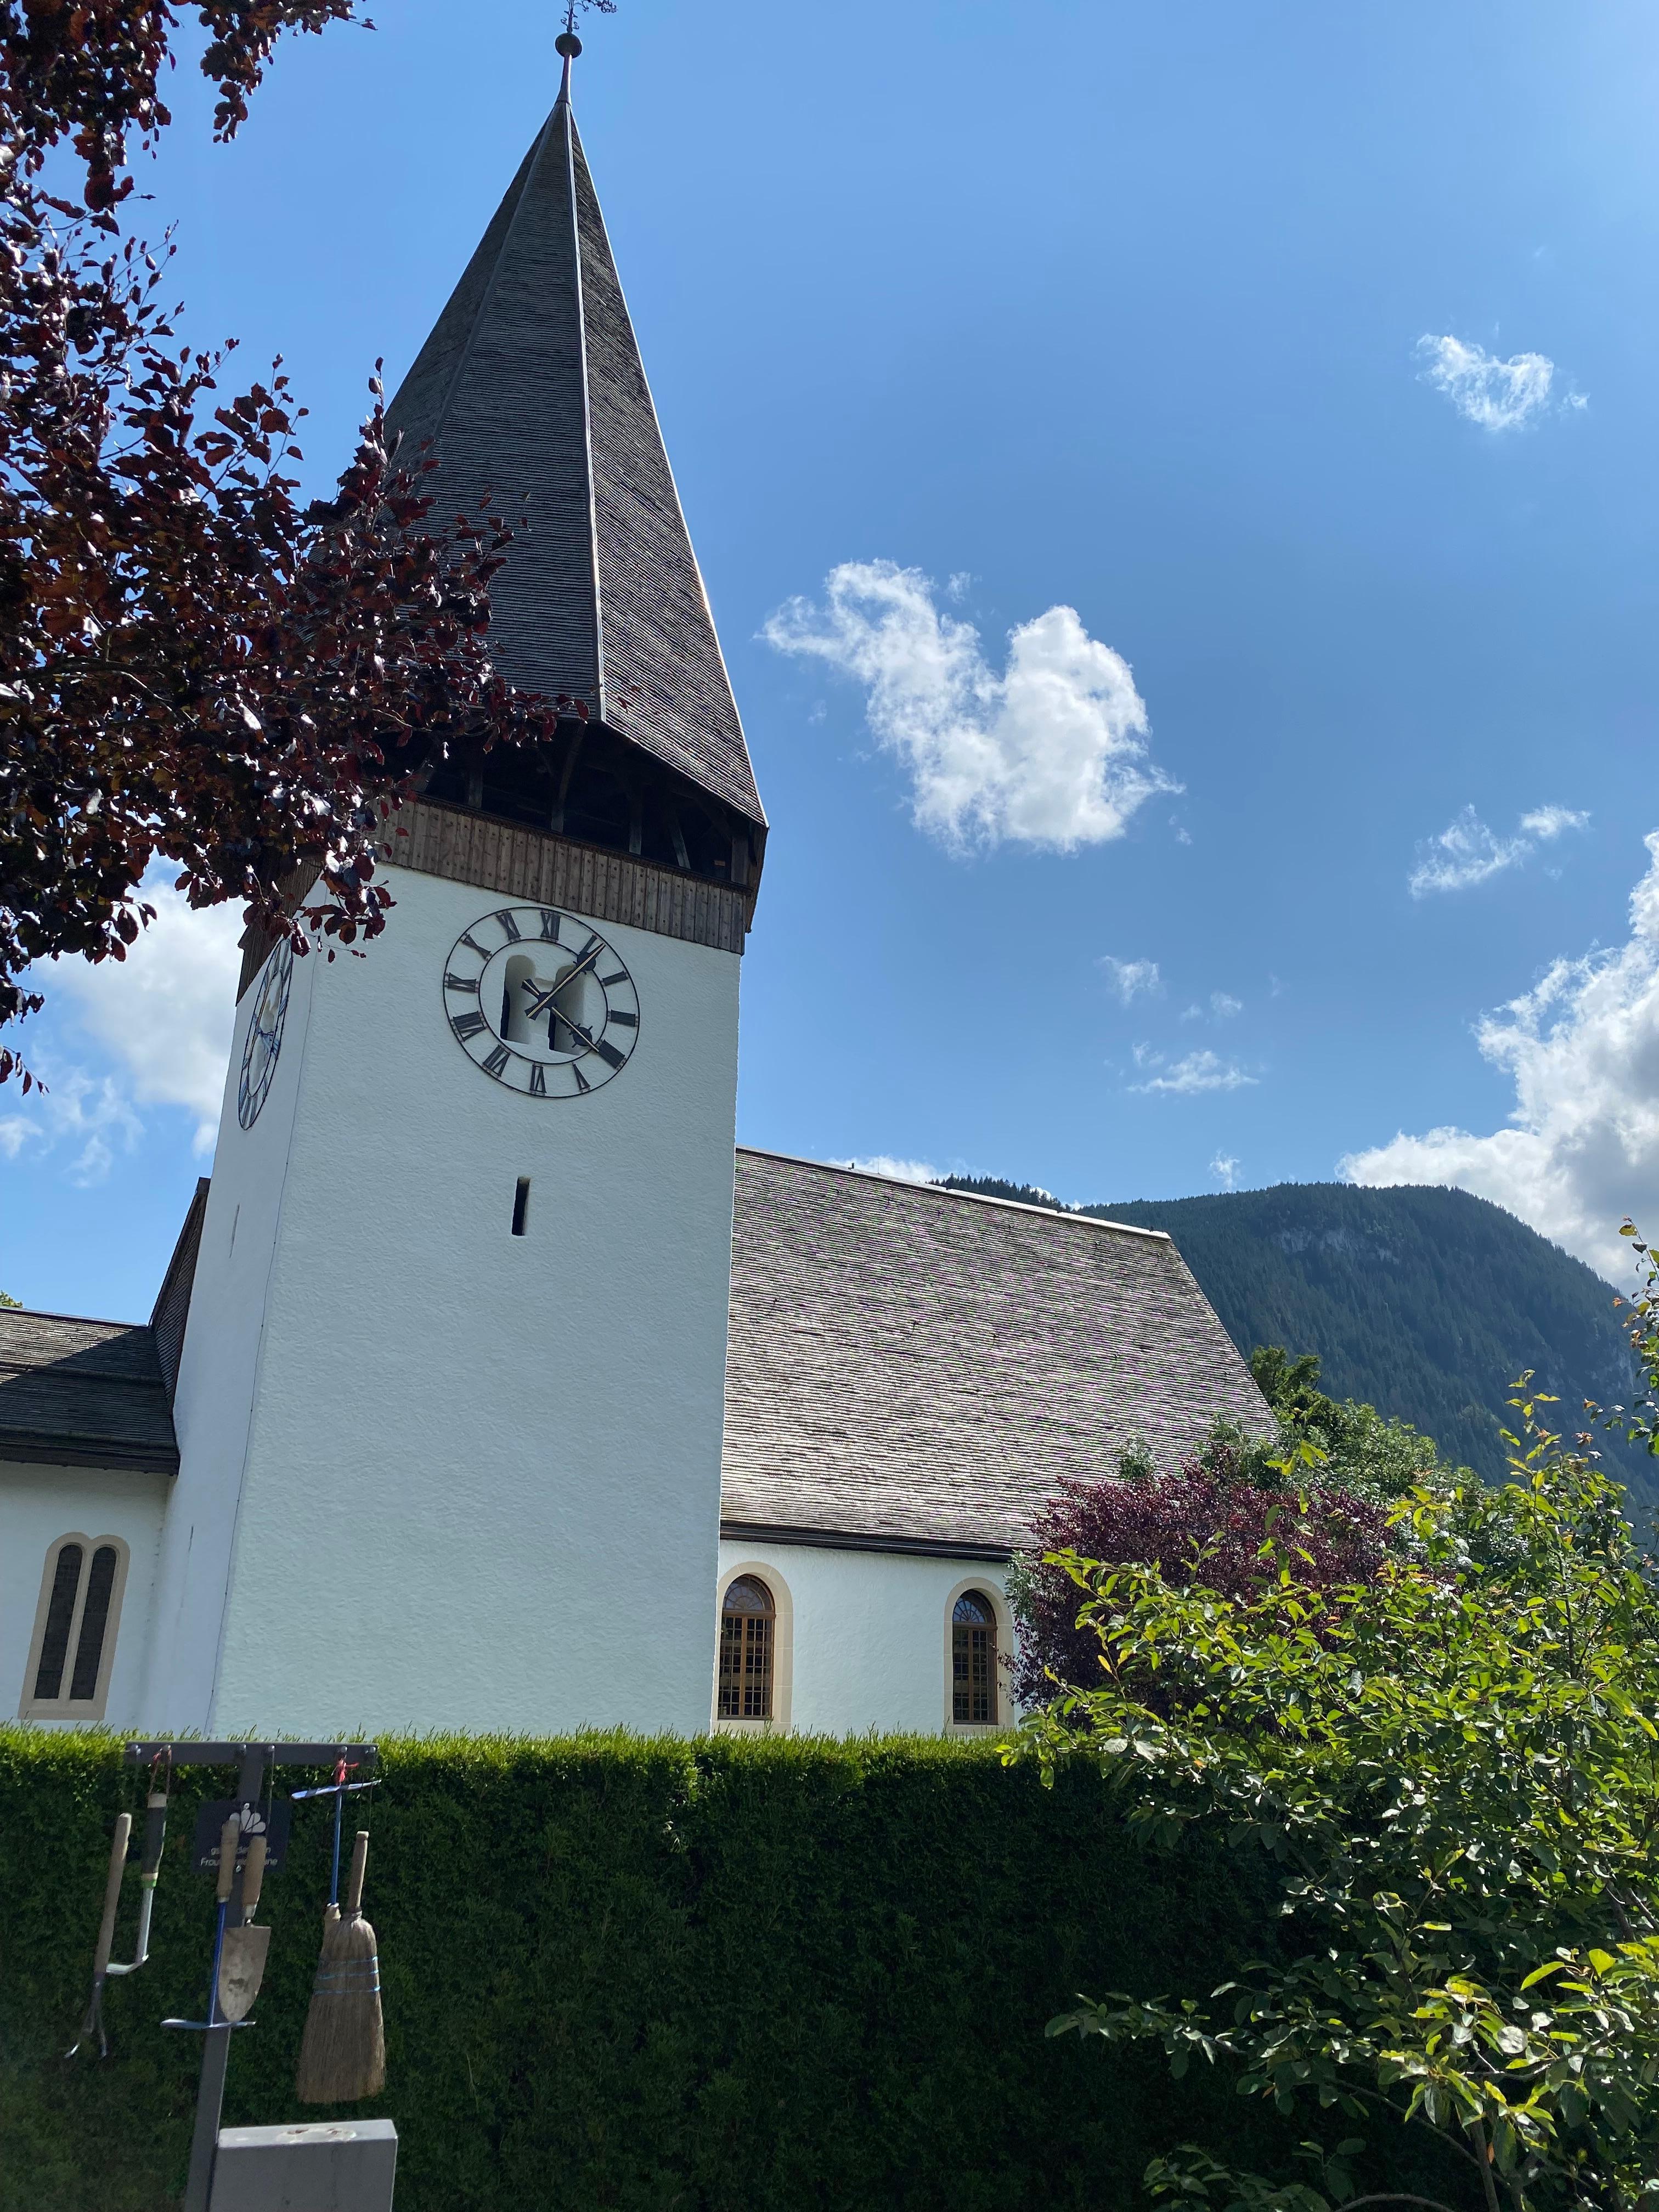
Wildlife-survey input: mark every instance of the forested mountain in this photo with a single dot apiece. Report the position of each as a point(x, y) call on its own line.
point(1424, 1303)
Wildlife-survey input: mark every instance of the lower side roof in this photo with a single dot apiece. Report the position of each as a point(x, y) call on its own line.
point(83, 1394)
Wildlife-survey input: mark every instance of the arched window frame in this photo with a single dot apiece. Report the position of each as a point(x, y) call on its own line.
point(783, 1651)
point(989, 1587)
point(63, 1706)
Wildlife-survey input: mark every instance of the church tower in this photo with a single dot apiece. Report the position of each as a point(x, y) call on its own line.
point(450, 1399)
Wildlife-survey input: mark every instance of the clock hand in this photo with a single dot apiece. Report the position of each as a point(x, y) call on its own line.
point(576, 1030)
point(539, 1005)
point(547, 1002)
point(575, 975)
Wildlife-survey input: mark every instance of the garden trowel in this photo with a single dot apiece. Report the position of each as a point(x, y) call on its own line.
point(242, 1955)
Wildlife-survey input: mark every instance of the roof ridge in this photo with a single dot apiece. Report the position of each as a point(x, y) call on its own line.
point(971, 1197)
point(87, 1321)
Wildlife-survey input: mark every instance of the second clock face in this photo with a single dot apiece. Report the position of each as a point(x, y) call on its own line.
point(265, 1034)
point(540, 1002)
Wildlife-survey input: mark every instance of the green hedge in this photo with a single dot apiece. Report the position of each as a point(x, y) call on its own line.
point(645, 1973)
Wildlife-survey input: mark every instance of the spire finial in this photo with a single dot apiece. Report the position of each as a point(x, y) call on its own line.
point(569, 45)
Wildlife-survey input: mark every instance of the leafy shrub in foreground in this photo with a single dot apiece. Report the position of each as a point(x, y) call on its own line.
point(1450, 1771)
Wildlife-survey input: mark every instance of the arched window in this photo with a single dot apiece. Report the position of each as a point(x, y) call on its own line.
point(74, 1643)
point(973, 1661)
point(748, 1640)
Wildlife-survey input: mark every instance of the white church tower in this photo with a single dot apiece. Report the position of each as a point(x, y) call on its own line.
point(449, 1401)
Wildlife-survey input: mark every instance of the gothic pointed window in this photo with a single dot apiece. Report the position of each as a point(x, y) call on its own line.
point(748, 1643)
point(73, 1647)
point(973, 1661)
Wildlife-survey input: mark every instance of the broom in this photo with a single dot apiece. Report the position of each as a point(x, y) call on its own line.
point(343, 2051)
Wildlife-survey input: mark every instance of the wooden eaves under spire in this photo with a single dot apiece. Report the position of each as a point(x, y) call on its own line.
point(530, 389)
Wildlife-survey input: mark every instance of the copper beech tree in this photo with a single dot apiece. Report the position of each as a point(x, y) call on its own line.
point(195, 665)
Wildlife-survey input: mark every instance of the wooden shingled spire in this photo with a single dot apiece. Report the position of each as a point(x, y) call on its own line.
point(530, 390)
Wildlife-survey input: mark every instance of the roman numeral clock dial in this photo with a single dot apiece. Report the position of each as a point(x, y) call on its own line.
point(265, 1034)
point(537, 999)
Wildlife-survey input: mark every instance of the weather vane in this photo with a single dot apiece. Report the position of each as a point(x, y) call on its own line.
point(568, 43)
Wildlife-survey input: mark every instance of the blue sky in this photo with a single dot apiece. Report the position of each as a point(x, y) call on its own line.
point(1304, 354)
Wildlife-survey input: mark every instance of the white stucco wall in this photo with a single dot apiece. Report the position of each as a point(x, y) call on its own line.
point(39, 1505)
point(870, 1632)
point(479, 1483)
point(218, 1370)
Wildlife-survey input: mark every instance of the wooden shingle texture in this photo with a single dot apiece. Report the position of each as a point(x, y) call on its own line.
point(529, 391)
point(915, 1363)
point(83, 1394)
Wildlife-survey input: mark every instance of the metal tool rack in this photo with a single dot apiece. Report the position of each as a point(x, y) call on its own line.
point(253, 1762)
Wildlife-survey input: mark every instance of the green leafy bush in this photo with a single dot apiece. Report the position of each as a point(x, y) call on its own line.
point(1451, 1770)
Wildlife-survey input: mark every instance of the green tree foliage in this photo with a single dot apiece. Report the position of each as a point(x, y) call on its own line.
point(1639, 1424)
point(1451, 1770)
point(1375, 1455)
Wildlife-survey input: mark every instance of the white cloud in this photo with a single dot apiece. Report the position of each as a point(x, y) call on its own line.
point(1498, 395)
point(1222, 1007)
point(1468, 852)
point(1545, 822)
point(164, 1015)
point(1582, 1147)
point(1225, 1167)
point(882, 1164)
point(76, 1109)
point(1049, 752)
point(1198, 1071)
point(1465, 852)
point(1131, 979)
point(166, 1012)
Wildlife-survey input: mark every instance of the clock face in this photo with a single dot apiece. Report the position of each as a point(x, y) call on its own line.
point(265, 1034)
point(540, 1002)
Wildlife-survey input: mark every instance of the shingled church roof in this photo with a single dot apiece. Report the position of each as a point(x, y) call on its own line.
point(83, 1394)
point(531, 387)
point(925, 1367)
